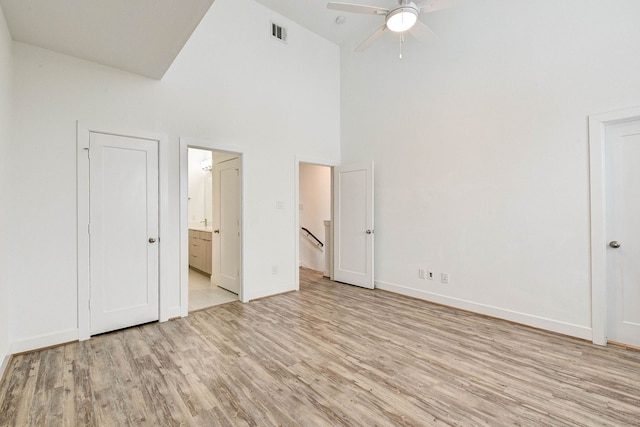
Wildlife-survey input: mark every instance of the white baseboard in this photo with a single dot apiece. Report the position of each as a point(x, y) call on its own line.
point(268, 292)
point(43, 341)
point(560, 327)
point(171, 313)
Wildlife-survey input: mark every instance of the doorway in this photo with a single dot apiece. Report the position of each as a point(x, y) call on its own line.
point(347, 191)
point(211, 213)
point(314, 205)
point(203, 206)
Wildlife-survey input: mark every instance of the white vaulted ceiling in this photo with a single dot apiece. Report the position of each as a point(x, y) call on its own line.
point(139, 36)
point(145, 36)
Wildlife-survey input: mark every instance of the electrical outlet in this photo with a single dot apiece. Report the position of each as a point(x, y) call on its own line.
point(430, 275)
point(444, 277)
point(421, 273)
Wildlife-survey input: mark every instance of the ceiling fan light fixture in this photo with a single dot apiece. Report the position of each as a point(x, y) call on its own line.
point(401, 19)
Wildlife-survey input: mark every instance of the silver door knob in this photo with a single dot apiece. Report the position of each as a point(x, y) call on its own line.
point(614, 244)
point(152, 240)
point(216, 231)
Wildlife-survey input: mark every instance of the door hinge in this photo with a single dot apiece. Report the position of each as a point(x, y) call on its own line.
point(89, 228)
point(88, 153)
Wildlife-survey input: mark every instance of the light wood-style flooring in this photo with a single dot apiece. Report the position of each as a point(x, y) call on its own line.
point(328, 355)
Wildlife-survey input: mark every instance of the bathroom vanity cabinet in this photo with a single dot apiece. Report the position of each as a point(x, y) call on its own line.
point(200, 250)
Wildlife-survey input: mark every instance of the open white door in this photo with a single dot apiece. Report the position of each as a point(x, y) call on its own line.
point(353, 225)
point(226, 223)
point(123, 246)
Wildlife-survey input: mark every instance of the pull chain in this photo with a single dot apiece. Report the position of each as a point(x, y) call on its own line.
point(401, 41)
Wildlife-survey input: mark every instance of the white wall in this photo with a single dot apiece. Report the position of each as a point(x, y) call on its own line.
point(5, 215)
point(315, 208)
point(223, 87)
point(199, 182)
point(481, 150)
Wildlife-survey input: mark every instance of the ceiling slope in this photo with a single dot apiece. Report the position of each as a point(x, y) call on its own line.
point(139, 36)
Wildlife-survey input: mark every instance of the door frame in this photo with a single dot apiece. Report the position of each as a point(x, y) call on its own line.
point(83, 131)
point(597, 172)
point(296, 204)
point(203, 144)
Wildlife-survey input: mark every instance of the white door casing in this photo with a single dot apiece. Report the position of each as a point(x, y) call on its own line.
point(226, 224)
point(215, 222)
point(353, 224)
point(622, 168)
point(123, 240)
point(599, 243)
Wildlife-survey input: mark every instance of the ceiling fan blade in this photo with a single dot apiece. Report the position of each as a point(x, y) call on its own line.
point(435, 5)
point(357, 8)
point(422, 33)
point(372, 38)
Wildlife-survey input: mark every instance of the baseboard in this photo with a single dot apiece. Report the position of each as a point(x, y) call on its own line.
point(171, 313)
point(43, 341)
point(268, 292)
point(557, 326)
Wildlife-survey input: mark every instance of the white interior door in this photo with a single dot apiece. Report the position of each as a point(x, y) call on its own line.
point(123, 211)
point(227, 225)
point(353, 225)
point(622, 156)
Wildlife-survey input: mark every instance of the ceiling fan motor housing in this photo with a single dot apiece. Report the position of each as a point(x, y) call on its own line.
point(402, 17)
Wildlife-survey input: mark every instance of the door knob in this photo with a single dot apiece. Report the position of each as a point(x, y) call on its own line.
point(216, 231)
point(369, 231)
point(152, 240)
point(614, 244)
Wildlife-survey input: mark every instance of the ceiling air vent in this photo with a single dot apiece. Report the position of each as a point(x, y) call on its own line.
point(278, 32)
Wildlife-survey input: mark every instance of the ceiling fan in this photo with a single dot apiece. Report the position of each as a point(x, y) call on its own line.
point(399, 19)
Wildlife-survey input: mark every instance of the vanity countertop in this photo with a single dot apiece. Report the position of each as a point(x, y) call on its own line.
point(201, 228)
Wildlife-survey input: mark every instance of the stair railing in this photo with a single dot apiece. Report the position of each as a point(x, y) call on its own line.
point(313, 238)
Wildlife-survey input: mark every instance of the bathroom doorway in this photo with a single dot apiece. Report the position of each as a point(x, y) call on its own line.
point(213, 222)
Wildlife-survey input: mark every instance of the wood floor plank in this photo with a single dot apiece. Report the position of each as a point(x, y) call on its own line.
point(329, 355)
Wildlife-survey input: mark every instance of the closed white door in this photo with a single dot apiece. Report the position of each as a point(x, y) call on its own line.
point(353, 225)
point(622, 155)
point(227, 227)
point(123, 239)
